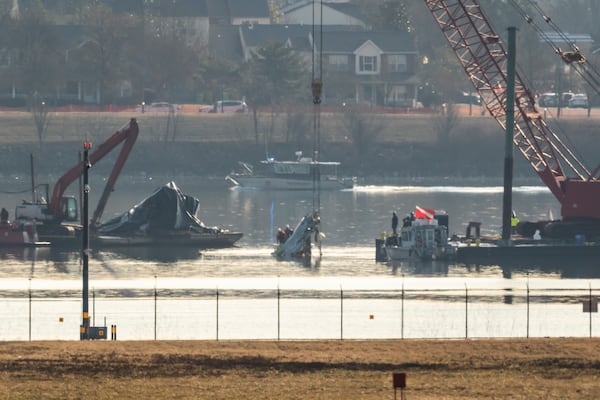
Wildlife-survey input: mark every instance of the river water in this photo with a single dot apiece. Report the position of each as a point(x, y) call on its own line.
point(351, 220)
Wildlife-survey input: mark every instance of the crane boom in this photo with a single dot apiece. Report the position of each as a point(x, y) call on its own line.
point(128, 135)
point(483, 57)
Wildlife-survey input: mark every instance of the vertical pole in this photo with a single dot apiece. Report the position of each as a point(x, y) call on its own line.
point(217, 316)
point(466, 312)
point(155, 306)
point(84, 330)
point(94, 307)
point(528, 306)
point(32, 178)
point(30, 298)
point(508, 145)
point(278, 313)
point(590, 310)
point(402, 314)
point(341, 313)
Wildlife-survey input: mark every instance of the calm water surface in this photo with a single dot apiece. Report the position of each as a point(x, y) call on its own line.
point(351, 220)
point(233, 293)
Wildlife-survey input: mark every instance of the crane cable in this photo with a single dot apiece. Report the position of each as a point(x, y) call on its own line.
point(571, 56)
point(548, 39)
point(317, 88)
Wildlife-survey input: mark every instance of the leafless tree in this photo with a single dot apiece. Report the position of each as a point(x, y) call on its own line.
point(103, 50)
point(298, 127)
point(36, 56)
point(446, 120)
point(362, 127)
point(39, 112)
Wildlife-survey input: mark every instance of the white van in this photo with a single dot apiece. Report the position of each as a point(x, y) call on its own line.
point(226, 106)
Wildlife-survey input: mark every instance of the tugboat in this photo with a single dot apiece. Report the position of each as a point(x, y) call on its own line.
point(423, 236)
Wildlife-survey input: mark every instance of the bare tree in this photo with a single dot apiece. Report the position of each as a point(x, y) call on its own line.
point(446, 120)
point(39, 112)
point(106, 36)
point(36, 57)
point(298, 127)
point(165, 77)
point(362, 127)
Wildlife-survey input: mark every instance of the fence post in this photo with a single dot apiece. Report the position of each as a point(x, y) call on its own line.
point(341, 313)
point(466, 312)
point(527, 306)
point(30, 309)
point(155, 306)
point(217, 315)
point(591, 310)
point(402, 312)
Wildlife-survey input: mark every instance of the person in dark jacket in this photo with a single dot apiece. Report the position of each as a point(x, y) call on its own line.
point(394, 222)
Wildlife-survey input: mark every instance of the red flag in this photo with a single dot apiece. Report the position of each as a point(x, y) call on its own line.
point(424, 213)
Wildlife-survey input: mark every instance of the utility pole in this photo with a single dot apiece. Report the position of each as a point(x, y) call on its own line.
point(84, 329)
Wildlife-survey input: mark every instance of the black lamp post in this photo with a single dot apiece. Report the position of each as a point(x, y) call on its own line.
point(84, 330)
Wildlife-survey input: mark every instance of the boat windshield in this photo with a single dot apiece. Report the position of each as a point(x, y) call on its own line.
point(289, 168)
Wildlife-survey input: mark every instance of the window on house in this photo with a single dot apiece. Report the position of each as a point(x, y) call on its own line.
point(367, 64)
point(338, 62)
point(397, 63)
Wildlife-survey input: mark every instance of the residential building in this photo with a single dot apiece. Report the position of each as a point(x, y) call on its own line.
point(374, 68)
point(334, 13)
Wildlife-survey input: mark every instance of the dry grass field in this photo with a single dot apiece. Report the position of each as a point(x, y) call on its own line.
point(455, 369)
point(188, 125)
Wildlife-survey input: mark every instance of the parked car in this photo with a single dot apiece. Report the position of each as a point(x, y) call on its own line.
point(548, 100)
point(579, 100)
point(467, 98)
point(160, 106)
point(226, 106)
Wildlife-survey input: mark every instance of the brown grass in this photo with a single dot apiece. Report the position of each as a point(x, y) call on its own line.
point(460, 369)
point(192, 126)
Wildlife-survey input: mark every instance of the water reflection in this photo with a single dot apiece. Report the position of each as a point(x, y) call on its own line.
point(160, 254)
point(350, 219)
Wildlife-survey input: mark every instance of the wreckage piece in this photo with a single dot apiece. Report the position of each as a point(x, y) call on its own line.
point(167, 216)
point(298, 245)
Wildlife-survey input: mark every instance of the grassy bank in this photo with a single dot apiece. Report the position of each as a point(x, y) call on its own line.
point(458, 369)
point(404, 147)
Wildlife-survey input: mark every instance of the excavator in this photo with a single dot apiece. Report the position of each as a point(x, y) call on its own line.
point(58, 219)
point(481, 53)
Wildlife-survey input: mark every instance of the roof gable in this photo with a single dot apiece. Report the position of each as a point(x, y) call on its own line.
point(350, 41)
point(368, 48)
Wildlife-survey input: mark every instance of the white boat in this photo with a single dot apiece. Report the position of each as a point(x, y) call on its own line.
point(423, 236)
point(290, 175)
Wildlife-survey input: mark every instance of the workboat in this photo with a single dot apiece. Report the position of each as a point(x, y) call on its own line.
point(423, 236)
point(168, 217)
point(290, 175)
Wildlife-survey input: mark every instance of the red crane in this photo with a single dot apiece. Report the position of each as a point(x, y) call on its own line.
point(484, 59)
point(60, 207)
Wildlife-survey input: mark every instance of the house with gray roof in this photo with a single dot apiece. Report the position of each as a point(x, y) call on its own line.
point(334, 13)
point(376, 68)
